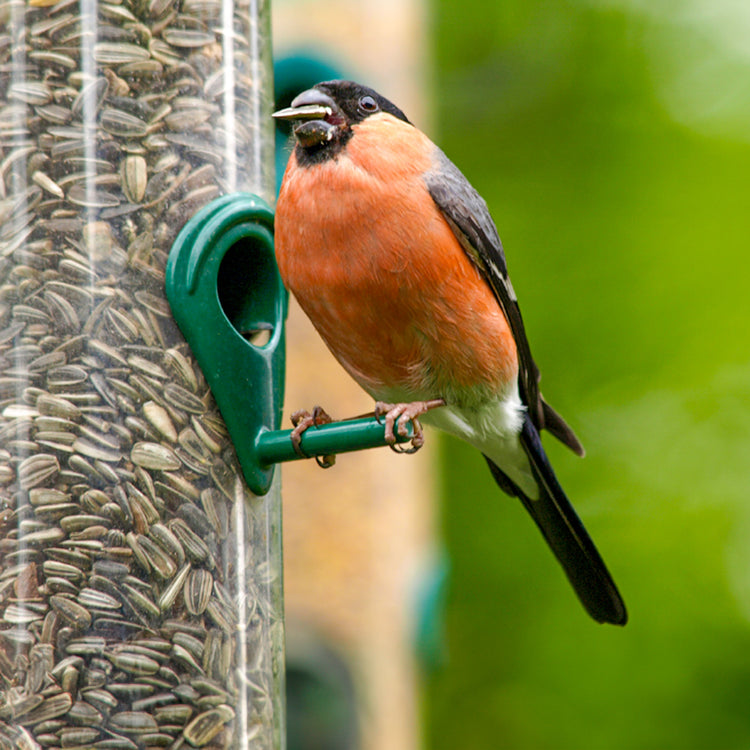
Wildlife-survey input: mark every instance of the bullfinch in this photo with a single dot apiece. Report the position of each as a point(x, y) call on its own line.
point(395, 259)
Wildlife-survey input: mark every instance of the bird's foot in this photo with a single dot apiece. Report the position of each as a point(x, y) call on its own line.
point(303, 420)
point(397, 417)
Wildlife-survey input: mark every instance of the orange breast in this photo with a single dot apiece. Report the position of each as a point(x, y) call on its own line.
point(375, 266)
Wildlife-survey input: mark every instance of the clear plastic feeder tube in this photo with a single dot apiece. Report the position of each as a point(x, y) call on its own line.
point(140, 580)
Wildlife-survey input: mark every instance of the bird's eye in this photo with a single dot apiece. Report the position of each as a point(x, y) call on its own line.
point(368, 104)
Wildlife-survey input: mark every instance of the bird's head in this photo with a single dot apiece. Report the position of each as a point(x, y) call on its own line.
point(324, 115)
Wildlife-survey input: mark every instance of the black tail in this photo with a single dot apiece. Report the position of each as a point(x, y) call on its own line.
point(565, 534)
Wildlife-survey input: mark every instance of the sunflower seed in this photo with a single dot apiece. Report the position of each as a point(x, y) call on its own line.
point(36, 470)
point(100, 698)
point(154, 456)
point(161, 564)
point(133, 722)
point(135, 664)
point(140, 602)
point(196, 550)
point(30, 92)
point(176, 713)
point(168, 542)
point(72, 612)
point(94, 599)
point(134, 171)
point(73, 737)
point(187, 37)
point(118, 53)
point(204, 727)
point(198, 588)
point(86, 646)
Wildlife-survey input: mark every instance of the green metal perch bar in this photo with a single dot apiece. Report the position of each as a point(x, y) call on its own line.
point(275, 446)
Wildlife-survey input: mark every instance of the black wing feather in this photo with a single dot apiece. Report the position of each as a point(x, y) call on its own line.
point(467, 213)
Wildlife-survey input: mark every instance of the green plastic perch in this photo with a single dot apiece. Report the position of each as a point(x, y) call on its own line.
point(328, 439)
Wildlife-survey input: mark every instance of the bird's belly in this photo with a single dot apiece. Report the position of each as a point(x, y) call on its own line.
point(396, 300)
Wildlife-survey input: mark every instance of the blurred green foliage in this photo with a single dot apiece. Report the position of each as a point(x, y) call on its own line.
point(612, 143)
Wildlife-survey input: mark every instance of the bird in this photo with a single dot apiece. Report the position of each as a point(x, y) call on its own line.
point(395, 259)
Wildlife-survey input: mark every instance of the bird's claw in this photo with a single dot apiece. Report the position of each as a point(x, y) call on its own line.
point(398, 416)
point(302, 420)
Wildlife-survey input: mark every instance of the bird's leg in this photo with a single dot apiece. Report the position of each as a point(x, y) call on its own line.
point(403, 414)
point(303, 420)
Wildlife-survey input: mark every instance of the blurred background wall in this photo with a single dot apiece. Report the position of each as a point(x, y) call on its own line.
point(611, 141)
point(359, 537)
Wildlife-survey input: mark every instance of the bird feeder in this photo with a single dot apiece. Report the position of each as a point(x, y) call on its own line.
point(140, 576)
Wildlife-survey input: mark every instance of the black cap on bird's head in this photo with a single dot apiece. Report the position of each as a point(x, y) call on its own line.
point(326, 113)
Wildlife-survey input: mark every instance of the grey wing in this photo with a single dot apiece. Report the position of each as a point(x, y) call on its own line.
point(468, 216)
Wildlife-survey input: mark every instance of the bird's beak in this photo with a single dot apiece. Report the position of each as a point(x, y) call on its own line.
point(313, 112)
point(309, 105)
